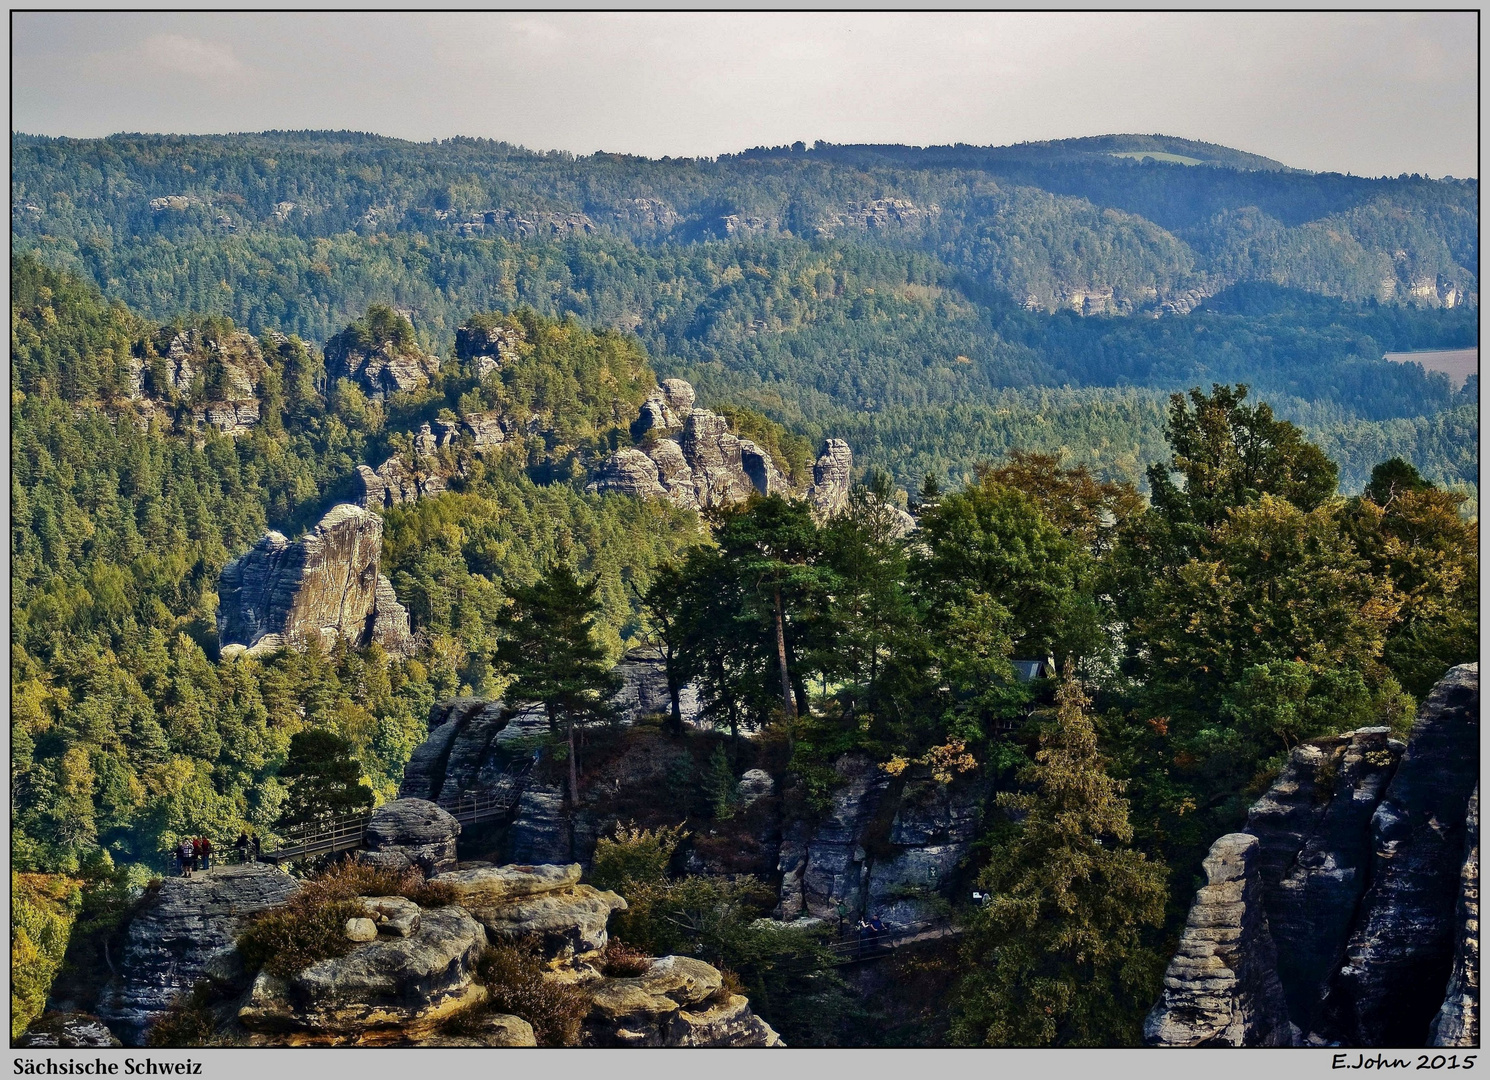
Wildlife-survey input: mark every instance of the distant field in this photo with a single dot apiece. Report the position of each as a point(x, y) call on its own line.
point(1457, 364)
point(1157, 155)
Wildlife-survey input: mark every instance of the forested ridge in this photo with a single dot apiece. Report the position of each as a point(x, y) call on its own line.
point(1210, 581)
point(826, 285)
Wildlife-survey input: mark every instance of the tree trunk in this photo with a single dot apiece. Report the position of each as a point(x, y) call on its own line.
point(786, 683)
point(674, 694)
point(573, 769)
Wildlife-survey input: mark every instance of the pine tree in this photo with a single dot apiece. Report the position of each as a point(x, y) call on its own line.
point(324, 777)
point(1058, 955)
point(552, 655)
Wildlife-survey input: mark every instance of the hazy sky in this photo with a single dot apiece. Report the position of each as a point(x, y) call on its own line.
point(1374, 94)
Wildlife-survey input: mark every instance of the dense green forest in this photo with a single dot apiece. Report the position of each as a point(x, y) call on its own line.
point(912, 297)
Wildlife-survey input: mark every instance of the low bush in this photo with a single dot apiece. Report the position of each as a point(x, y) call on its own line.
point(190, 1021)
point(513, 977)
point(621, 961)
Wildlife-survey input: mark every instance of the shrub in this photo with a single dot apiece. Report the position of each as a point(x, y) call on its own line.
point(513, 976)
point(634, 855)
point(311, 926)
point(188, 1022)
point(621, 961)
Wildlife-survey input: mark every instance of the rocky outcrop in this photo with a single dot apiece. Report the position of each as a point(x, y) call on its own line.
point(518, 901)
point(394, 482)
point(68, 1031)
point(411, 832)
point(224, 370)
point(380, 370)
point(643, 675)
point(1314, 825)
point(391, 988)
point(1222, 986)
point(678, 1001)
point(704, 466)
point(668, 406)
point(185, 932)
point(1367, 864)
point(491, 1031)
point(831, 478)
point(324, 587)
point(488, 348)
point(1400, 952)
point(932, 832)
point(827, 864)
point(1458, 1019)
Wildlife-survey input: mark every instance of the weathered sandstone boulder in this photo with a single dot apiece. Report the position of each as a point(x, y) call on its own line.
point(396, 915)
point(411, 832)
point(393, 482)
point(678, 1001)
point(643, 692)
point(491, 886)
point(389, 989)
point(569, 921)
point(324, 587)
point(1222, 986)
point(491, 1030)
point(183, 933)
point(668, 406)
point(488, 348)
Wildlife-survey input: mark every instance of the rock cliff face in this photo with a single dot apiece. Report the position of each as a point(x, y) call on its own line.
point(184, 933)
point(705, 465)
point(885, 847)
point(1458, 1020)
point(381, 371)
point(1367, 863)
point(1400, 952)
point(323, 587)
point(230, 369)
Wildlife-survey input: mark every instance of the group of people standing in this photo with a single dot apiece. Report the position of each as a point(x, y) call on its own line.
point(196, 853)
point(869, 930)
point(192, 855)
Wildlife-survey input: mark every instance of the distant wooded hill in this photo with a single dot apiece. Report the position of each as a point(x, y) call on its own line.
point(903, 292)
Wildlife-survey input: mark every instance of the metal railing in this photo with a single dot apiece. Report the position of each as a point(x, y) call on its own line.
point(854, 947)
point(348, 832)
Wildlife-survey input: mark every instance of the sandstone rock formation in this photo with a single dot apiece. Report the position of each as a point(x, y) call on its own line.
point(382, 370)
point(1458, 1019)
point(514, 902)
point(393, 482)
point(491, 1031)
point(1222, 986)
point(186, 931)
point(487, 348)
point(68, 1031)
point(411, 832)
point(678, 1001)
point(643, 674)
point(1400, 952)
point(704, 466)
point(391, 988)
point(831, 478)
point(230, 368)
point(1367, 862)
point(324, 587)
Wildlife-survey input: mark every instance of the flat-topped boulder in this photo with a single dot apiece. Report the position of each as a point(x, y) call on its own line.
point(186, 931)
point(678, 1001)
point(490, 886)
